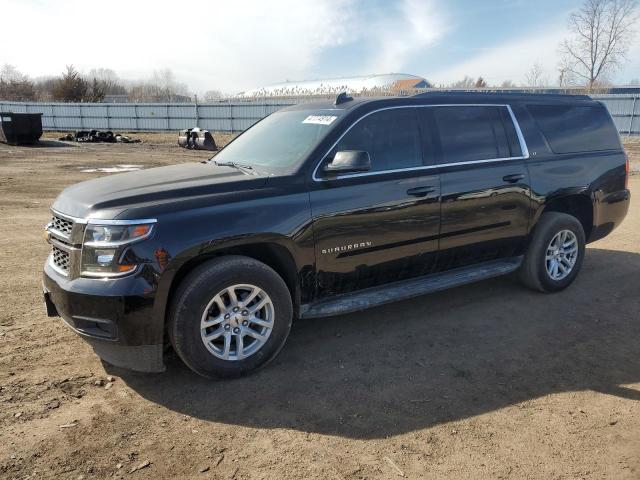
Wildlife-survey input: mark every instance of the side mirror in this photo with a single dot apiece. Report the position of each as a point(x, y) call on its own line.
point(349, 161)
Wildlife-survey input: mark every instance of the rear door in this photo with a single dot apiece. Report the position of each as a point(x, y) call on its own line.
point(485, 184)
point(380, 226)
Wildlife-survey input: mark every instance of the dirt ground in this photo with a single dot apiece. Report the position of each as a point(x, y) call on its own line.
point(484, 381)
point(632, 147)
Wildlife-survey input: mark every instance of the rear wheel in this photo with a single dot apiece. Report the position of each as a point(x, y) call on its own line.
point(230, 316)
point(554, 256)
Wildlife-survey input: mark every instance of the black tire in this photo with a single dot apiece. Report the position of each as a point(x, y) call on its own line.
point(199, 288)
point(533, 272)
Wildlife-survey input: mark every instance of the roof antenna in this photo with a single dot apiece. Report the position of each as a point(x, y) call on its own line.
point(342, 98)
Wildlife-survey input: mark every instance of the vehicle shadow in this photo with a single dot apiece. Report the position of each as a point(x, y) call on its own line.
point(433, 359)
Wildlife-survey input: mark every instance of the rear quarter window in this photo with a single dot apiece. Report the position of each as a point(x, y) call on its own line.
point(574, 129)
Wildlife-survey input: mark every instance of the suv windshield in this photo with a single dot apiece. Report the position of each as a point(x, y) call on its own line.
point(281, 140)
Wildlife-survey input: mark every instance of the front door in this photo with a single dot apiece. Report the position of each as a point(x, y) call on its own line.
point(380, 226)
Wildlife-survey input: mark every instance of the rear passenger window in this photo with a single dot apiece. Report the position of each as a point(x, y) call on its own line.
point(474, 133)
point(572, 129)
point(391, 137)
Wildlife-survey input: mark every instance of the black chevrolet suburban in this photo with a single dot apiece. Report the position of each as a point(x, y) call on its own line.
point(326, 208)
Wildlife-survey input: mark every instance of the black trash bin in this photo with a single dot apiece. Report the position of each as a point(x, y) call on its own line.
point(20, 128)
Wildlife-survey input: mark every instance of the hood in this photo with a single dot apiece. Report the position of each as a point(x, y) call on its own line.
point(108, 197)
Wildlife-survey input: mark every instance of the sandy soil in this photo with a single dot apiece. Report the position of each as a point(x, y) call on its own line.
point(484, 381)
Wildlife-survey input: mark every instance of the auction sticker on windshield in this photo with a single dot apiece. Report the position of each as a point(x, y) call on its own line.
point(320, 119)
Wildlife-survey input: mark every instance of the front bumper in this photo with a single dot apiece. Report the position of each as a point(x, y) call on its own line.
point(114, 316)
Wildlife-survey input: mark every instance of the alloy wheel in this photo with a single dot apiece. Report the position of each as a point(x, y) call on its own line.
point(237, 322)
point(561, 255)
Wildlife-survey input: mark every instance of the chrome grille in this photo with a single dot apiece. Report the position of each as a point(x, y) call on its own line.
point(62, 225)
point(61, 259)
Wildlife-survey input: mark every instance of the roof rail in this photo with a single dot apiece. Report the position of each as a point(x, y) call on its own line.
point(342, 98)
point(511, 94)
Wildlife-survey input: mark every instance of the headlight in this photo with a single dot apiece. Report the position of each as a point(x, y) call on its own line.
point(110, 235)
point(104, 245)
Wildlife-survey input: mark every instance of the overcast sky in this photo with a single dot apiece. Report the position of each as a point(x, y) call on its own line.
point(241, 44)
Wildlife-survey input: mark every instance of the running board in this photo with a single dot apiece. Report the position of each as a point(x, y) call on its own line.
point(372, 297)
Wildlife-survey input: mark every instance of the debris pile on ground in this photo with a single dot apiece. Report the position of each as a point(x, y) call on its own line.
point(197, 139)
point(96, 136)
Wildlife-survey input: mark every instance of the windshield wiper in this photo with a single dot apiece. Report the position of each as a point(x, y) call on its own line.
point(239, 166)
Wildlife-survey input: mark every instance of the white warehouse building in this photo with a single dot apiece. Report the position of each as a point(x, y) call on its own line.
point(330, 86)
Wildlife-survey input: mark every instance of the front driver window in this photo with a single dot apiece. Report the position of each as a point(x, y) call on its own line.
point(391, 137)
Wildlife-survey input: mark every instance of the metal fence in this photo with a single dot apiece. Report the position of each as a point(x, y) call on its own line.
point(218, 117)
point(625, 110)
point(224, 116)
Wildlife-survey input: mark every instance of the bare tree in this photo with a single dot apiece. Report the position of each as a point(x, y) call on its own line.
point(468, 83)
point(601, 33)
point(76, 86)
point(96, 90)
point(565, 78)
point(161, 87)
point(165, 85)
point(480, 83)
point(14, 85)
point(212, 96)
point(536, 77)
point(107, 80)
point(44, 87)
point(9, 73)
point(508, 84)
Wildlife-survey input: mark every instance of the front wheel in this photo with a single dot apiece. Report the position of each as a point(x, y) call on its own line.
point(554, 256)
point(230, 316)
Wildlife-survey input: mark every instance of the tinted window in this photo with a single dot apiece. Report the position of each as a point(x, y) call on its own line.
point(391, 137)
point(429, 131)
point(570, 129)
point(471, 133)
